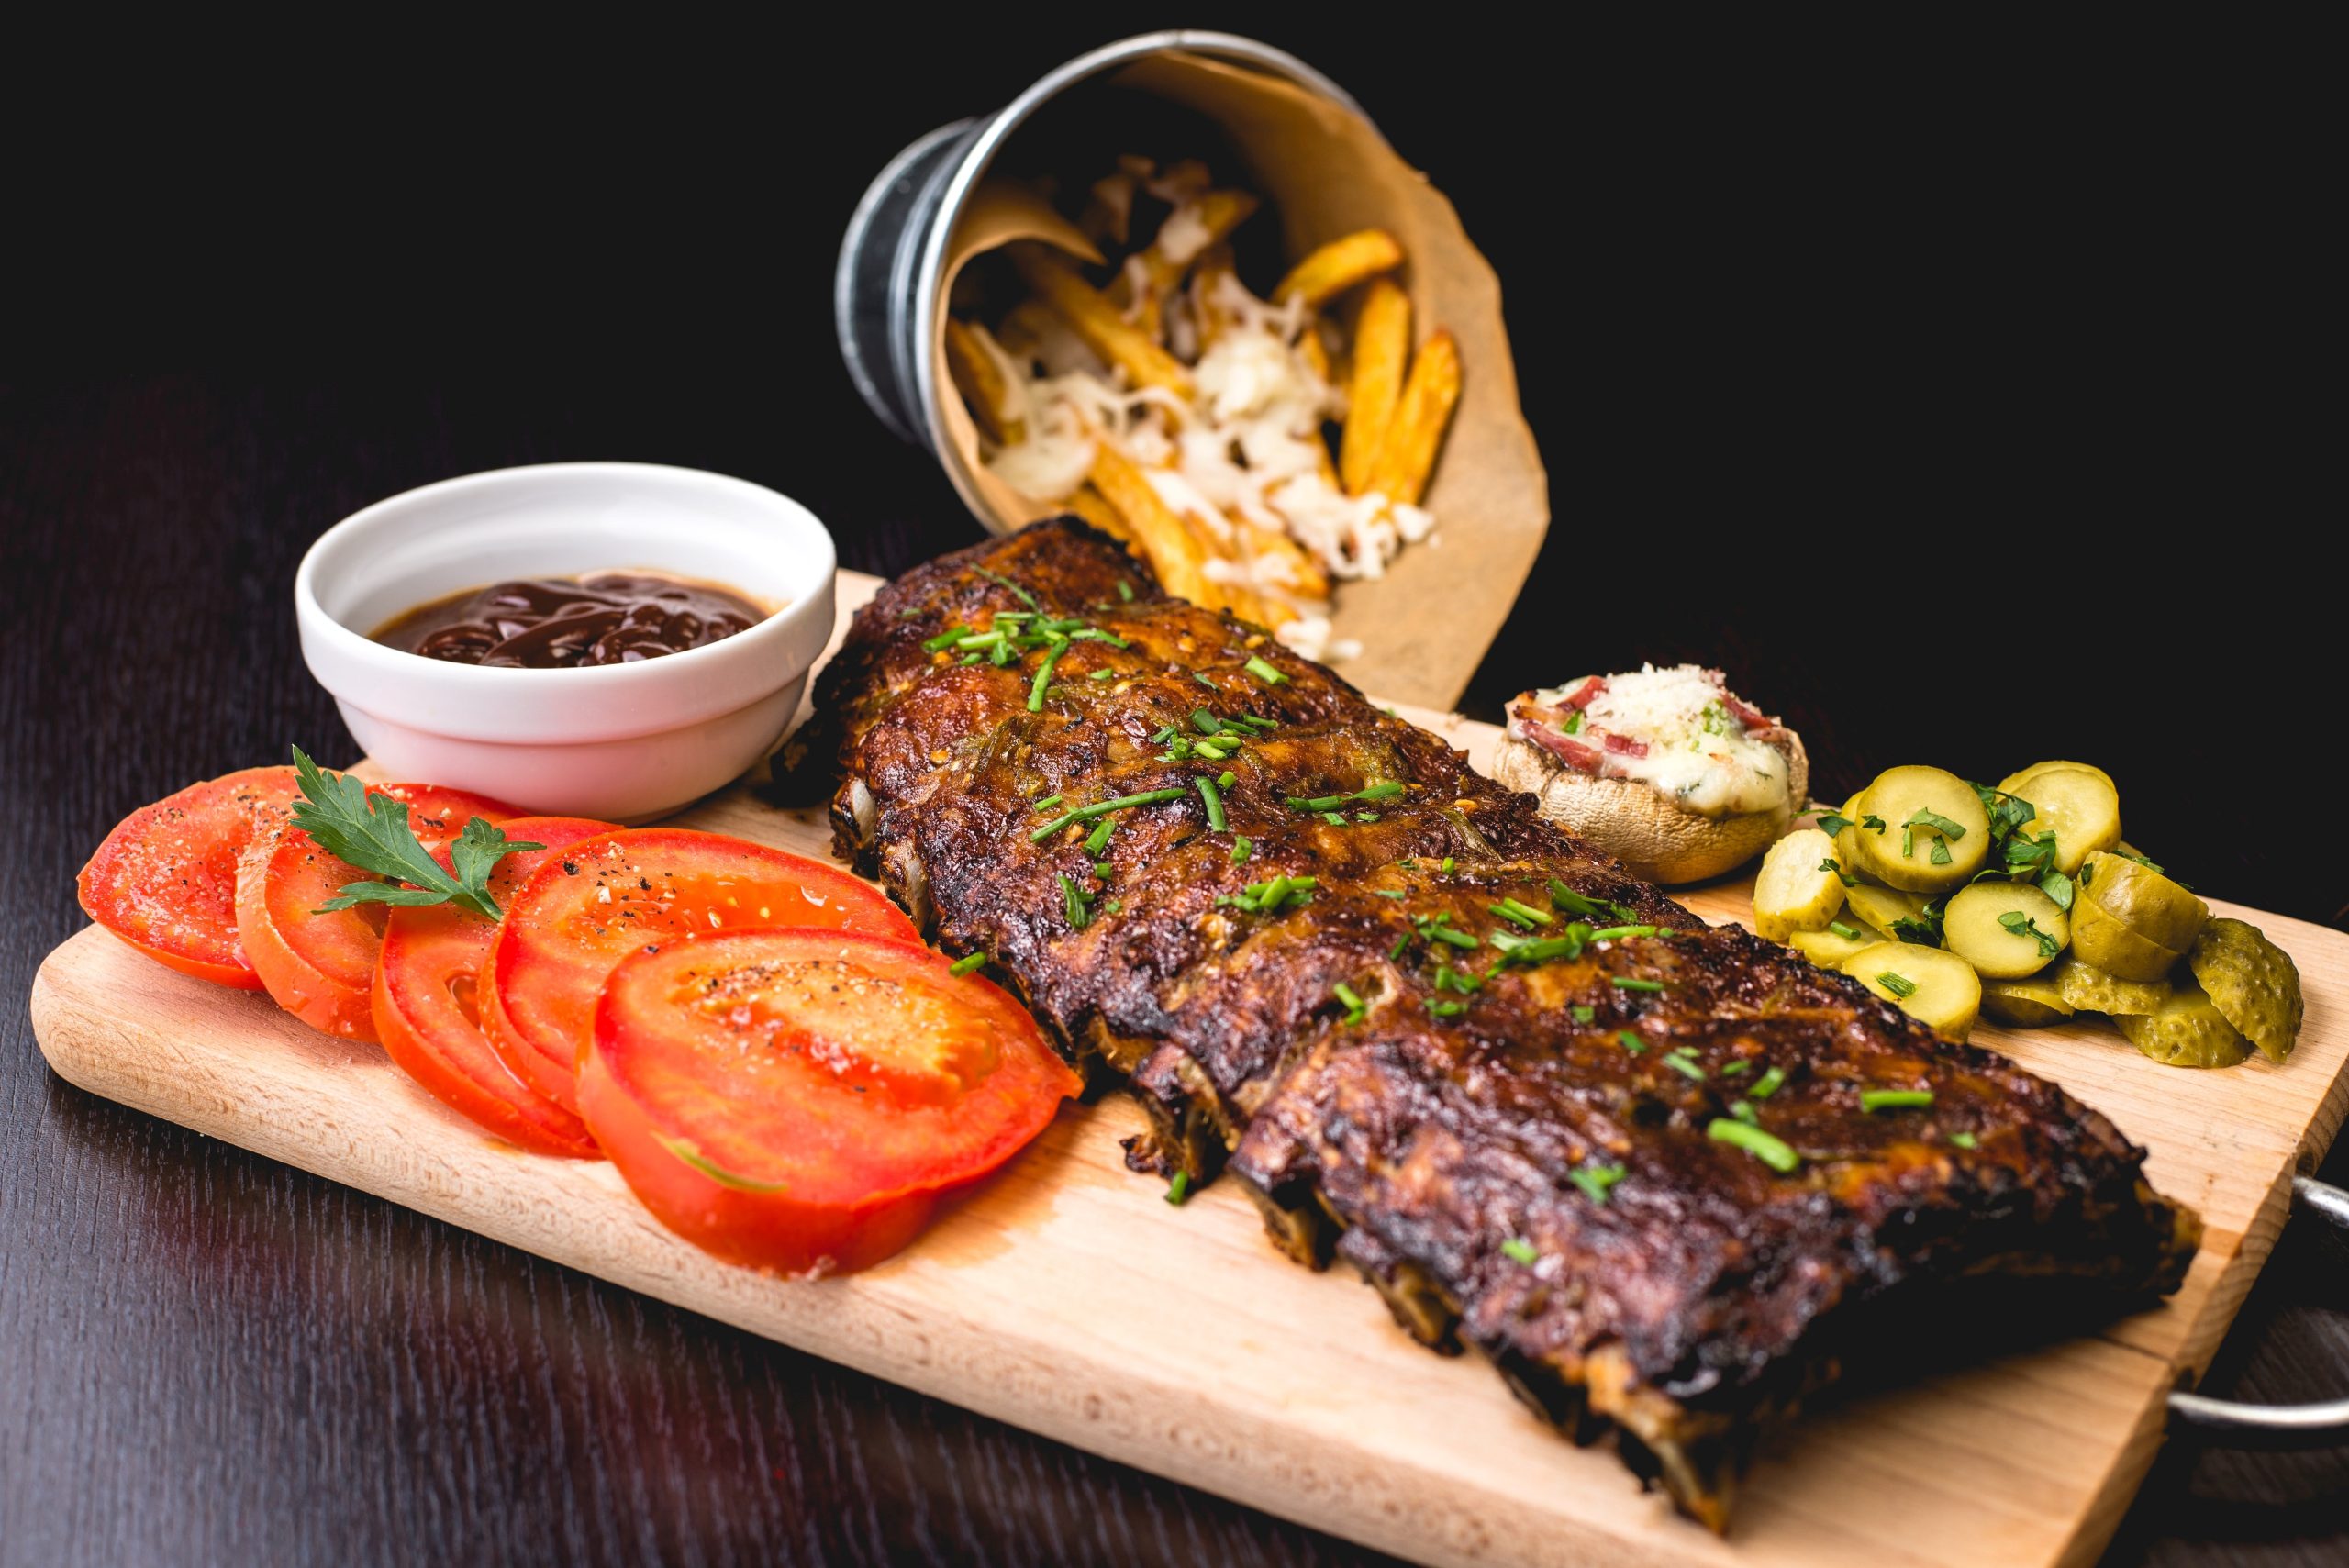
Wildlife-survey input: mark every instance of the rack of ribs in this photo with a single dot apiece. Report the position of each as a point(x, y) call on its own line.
point(1549, 1113)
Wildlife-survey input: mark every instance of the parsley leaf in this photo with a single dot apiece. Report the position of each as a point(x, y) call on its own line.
point(371, 832)
point(2022, 925)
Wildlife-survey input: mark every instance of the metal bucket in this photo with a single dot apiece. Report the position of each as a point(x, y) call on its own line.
point(888, 287)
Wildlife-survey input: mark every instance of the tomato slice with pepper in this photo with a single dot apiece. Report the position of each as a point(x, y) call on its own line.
point(797, 1100)
point(605, 898)
point(165, 879)
point(318, 965)
point(423, 1002)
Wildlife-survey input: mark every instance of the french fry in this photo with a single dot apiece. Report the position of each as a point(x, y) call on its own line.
point(1090, 505)
point(1407, 451)
point(979, 379)
point(1304, 575)
point(1215, 215)
point(1339, 266)
point(1095, 320)
point(1382, 347)
point(1174, 551)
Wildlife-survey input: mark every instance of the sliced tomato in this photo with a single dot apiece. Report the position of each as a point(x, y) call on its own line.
point(320, 964)
point(436, 814)
point(605, 898)
point(165, 879)
point(797, 1100)
point(423, 1002)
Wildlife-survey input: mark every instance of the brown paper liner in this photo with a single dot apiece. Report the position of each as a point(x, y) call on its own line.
point(1327, 172)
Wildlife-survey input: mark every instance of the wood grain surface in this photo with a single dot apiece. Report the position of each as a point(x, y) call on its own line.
point(1065, 1296)
point(209, 1357)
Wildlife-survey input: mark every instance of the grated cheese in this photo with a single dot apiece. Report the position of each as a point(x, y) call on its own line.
point(1245, 457)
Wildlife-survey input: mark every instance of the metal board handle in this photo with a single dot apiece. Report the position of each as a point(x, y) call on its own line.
point(2274, 1426)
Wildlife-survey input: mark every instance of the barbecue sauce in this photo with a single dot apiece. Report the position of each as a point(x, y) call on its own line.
point(556, 623)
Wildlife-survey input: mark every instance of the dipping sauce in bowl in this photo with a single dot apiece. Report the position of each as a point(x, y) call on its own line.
point(553, 623)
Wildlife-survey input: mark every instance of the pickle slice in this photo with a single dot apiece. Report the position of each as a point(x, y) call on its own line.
point(1879, 908)
point(2081, 808)
point(1936, 836)
point(2083, 986)
point(2104, 940)
point(2013, 783)
point(2185, 1030)
point(1830, 947)
point(1793, 891)
point(2253, 983)
point(2005, 929)
point(2141, 898)
point(1939, 990)
point(2025, 1004)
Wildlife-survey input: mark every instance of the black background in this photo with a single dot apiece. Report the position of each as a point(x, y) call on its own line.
point(1954, 394)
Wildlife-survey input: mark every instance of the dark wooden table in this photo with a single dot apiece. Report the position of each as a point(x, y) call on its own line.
point(1869, 420)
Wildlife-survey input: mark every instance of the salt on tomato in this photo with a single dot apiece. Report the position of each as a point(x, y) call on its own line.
point(605, 898)
point(318, 965)
point(424, 1008)
point(797, 1100)
point(165, 879)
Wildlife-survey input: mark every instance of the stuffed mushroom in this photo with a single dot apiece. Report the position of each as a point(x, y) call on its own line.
point(1667, 769)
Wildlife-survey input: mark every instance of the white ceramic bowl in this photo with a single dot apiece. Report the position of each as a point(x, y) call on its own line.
point(626, 742)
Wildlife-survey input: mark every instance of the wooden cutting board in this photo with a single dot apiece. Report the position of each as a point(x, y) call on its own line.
point(1064, 1296)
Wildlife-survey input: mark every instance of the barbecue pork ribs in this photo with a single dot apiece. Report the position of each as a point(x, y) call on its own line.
point(1545, 1110)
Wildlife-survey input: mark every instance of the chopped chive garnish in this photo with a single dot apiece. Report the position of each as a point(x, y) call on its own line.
point(1629, 983)
point(1266, 673)
point(1595, 1181)
point(1205, 682)
point(1610, 933)
point(1226, 779)
point(1046, 803)
point(1087, 813)
point(1527, 911)
point(1446, 866)
point(1115, 907)
point(1383, 789)
point(1203, 722)
point(967, 963)
point(1506, 913)
point(1209, 749)
point(1583, 1012)
point(1447, 1009)
point(1256, 722)
point(1767, 1084)
point(1102, 869)
point(1240, 847)
point(1334, 818)
point(1873, 1100)
point(1687, 1066)
point(1402, 945)
point(945, 640)
point(1099, 840)
point(1125, 591)
point(1025, 597)
point(1044, 678)
point(1737, 1068)
point(1962, 1139)
point(969, 659)
point(1458, 938)
point(1180, 1187)
point(1573, 903)
point(1389, 893)
point(1518, 1250)
point(1073, 903)
point(1848, 933)
point(1901, 986)
point(1214, 798)
point(1772, 1151)
point(1632, 1041)
point(979, 640)
point(1356, 1009)
point(1102, 676)
point(1743, 1111)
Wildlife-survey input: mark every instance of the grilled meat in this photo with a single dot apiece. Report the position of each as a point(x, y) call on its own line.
point(1549, 1113)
